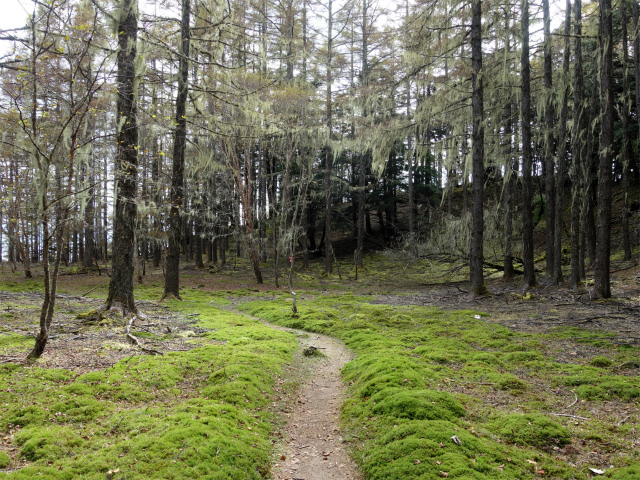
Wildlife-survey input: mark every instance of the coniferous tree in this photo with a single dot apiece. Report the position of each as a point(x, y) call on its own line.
point(603, 240)
point(549, 142)
point(476, 261)
point(626, 136)
point(527, 158)
point(172, 278)
point(126, 167)
point(562, 147)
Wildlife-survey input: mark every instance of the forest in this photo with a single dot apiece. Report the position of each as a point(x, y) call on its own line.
point(208, 208)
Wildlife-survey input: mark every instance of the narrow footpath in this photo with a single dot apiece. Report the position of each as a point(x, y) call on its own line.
point(314, 448)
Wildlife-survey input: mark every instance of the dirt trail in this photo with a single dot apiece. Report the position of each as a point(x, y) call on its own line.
point(314, 448)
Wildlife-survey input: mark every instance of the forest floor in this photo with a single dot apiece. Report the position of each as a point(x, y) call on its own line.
point(590, 390)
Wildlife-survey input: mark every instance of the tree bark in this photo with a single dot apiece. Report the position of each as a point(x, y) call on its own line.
point(602, 283)
point(549, 144)
point(365, 155)
point(126, 168)
point(562, 147)
point(636, 65)
point(328, 154)
point(476, 260)
point(172, 279)
point(626, 137)
point(527, 214)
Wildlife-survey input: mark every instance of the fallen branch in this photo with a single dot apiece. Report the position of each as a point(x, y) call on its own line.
point(623, 420)
point(576, 401)
point(87, 293)
point(136, 340)
point(566, 415)
point(632, 363)
point(500, 268)
point(624, 268)
point(11, 360)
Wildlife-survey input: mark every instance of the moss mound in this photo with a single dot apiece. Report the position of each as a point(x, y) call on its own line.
point(417, 405)
point(532, 429)
point(5, 460)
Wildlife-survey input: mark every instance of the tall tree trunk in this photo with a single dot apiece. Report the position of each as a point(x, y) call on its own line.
point(476, 260)
point(89, 211)
point(197, 238)
point(636, 65)
point(527, 213)
point(590, 180)
point(361, 209)
point(549, 147)
point(126, 168)
point(603, 239)
point(365, 155)
point(562, 147)
point(410, 156)
point(155, 187)
point(510, 179)
point(172, 279)
point(89, 250)
point(625, 105)
point(328, 154)
point(262, 204)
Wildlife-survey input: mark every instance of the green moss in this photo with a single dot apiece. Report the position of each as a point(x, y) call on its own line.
point(13, 341)
point(24, 415)
point(192, 414)
point(81, 409)
point(602, 362)
point(404, 406)
point(532, 429)
point(5, 460)
point(508, 381)
point(488, 359)
point(48, 443)
point(417, 405)
point(625, 473)
point(23, 285)
point(611, 388)
point(521, 357)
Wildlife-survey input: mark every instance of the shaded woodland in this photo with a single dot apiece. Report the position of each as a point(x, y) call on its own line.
point(164, 133)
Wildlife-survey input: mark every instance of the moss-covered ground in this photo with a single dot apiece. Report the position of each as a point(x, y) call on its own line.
point(517, 386)
point(424, 375)
point(204, 412)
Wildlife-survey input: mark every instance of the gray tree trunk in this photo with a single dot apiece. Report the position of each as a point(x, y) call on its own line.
point(602, 282)
point(126, 168)
point(527, 214)
point(549, 143)
point(172, 279)
point(476, 260)
point(562, 147)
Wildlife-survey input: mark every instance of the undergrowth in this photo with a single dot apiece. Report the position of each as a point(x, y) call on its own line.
point(421, 385)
